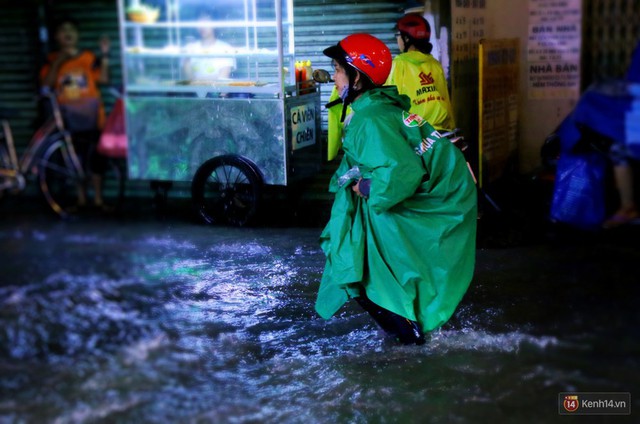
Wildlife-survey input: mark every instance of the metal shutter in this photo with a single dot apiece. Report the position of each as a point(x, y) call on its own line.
point(612, 31)
point(18, 75)
point(319, 24)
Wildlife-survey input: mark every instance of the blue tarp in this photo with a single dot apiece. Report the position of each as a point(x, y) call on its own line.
point(610, 108)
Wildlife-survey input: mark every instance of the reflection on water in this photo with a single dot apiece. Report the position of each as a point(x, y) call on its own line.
point(172, 323)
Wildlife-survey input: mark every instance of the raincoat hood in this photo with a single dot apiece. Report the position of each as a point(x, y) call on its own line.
point(387, 95)
point(421, 77)
point(416, 57)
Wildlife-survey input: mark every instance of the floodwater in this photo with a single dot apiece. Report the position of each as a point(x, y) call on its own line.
point(107, 320)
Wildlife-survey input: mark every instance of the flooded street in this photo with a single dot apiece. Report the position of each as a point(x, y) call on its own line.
point(131, 321)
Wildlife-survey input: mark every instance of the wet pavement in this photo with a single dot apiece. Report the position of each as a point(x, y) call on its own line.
point(147, 317)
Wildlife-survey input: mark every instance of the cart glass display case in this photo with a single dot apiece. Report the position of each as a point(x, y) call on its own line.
point(206, 80)
point(194, 46)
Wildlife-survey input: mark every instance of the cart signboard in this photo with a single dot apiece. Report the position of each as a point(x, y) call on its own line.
point(303, 126)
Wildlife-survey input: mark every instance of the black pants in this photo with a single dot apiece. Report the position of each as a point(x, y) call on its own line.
point(403, 329)
point(86, 143)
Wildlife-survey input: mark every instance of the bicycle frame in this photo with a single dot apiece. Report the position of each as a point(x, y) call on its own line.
point(28, 162)
point(53, 124)
point(10, 178)
point(457, 139)
point(11, 148)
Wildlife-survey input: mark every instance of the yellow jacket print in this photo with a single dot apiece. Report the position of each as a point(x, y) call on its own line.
point(420, 76)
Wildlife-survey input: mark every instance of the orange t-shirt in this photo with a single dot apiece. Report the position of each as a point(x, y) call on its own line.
point(76, 79)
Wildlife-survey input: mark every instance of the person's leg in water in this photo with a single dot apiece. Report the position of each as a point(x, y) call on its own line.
point(623, 178)
point(81, 145)
point(403, 329)
point(94, 164)
point(98, 164)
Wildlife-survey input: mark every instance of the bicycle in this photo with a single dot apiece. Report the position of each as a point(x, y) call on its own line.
point(457, 139)
point(50, 158)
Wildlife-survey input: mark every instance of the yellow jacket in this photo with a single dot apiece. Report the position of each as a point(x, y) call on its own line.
point(420, 76)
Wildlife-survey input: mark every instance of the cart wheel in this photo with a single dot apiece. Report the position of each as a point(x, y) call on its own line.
point(227, 189)
point(115, 181)
point(5, 163)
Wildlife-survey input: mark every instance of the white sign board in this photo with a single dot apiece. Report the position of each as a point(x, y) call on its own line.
point(303, 126)
point(553, 49)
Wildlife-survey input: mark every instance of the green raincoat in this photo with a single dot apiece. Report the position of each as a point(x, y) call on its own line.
point(411, 243)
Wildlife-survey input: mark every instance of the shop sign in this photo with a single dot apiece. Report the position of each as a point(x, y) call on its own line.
point(303, 126)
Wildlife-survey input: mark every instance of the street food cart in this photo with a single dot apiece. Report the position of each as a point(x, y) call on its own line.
point(228, 134)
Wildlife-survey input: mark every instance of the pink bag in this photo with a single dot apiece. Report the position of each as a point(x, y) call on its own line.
point(113, 140)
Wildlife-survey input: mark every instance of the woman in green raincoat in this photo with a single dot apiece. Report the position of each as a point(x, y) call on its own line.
point(401, 237)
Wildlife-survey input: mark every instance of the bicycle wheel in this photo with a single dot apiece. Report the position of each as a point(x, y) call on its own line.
point(5, 163)
point(114, 182)
point(227, 189)
point(59, 179)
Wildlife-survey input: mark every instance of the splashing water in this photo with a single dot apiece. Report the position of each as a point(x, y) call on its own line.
point(144, 323)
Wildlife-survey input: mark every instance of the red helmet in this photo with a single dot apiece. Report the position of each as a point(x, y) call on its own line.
point(415, 26)
point(366, 53)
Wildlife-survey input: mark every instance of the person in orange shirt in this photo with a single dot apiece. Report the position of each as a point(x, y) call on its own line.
point(73, 74)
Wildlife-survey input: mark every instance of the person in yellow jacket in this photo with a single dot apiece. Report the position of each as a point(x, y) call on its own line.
point(335, 118)
point(419, 75)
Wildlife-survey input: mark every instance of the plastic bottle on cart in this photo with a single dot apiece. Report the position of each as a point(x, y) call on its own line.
point(299, 73)
point(308, 71)
point(304, 76)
